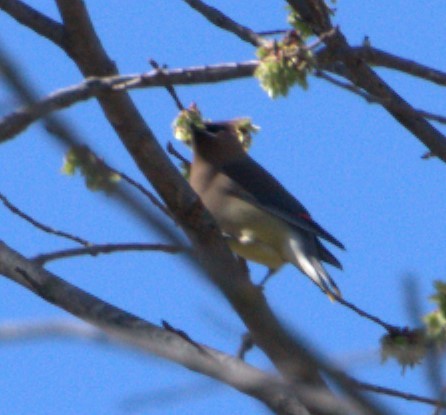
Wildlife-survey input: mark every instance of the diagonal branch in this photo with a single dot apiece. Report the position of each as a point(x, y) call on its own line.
point(212, 251)
point(66, 135)
point(39, 225)
point(314, 14)
point(144, 336)
point(29, 17)
point(105, 249)
point(377, 57)
point(20, 119)
point(375, 100)
point(371, 55)
point(219, 19)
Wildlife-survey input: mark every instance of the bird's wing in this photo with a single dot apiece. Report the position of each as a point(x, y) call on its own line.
point(265, 192)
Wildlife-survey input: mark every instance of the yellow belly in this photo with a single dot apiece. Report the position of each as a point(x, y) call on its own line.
point(258, 252)
point(256, 235)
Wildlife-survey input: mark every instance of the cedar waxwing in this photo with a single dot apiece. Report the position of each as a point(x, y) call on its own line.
point(264, 223)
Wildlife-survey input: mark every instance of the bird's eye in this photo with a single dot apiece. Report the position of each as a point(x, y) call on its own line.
point(215, 128)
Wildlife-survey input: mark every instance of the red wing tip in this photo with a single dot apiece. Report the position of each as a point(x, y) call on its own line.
point(306, 216)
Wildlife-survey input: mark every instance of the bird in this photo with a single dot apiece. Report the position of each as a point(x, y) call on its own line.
point(260, 219)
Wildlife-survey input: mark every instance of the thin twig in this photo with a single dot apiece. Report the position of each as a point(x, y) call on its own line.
point(134, 332)
point(375, 100)
point(168, 85)
point(105, 249)
point(273, 32)
point(183, 335)
point(316, 16)
point(65, 134)
point(175, 153)
point(144, 191)
point(246, 345)
point(35, 20)
point(391, 329)
point(224, 22)
point(14, 209)
point(377, 57)
point(399, 394)
point(321, 39)
point(20, 119)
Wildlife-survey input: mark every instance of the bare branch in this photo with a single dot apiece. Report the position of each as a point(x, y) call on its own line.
point(219, 19)
point(65, 133)
point(31, 330)
point(144, 191)
point(84, 46)
point(144, 336)
point(171, 150)
point(39, 225)
point(105, 249)
point(371, 55)
point(398, 394)
point(34, 330)
point(19, 120)
point(168, 85)
point(36, 21)
point(22, 118)
point(377, 57)
point(315, 15)
point(375, 100)
point(391, 329)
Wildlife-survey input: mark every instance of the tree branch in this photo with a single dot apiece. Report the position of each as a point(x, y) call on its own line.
point(105, 249)
point(142, 335)
point(398, 394)
point(33, 19)
point(377, 57)
point(375, 100)
point(34, 330)
point(212, 251)
point(45, 228)
point(314, 14)
point(219, 19)
point(19, 120)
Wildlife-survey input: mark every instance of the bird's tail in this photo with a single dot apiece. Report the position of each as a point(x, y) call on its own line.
point(324, 281)
point(310, 265)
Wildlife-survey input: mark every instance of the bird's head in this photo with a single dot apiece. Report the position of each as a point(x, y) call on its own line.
point(217, 143)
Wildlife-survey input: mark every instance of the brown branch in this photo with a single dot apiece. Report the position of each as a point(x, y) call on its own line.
point(171, 150)
point(246, 345)
point(25, 91)
point(168, 85)
point(183, 335)
point(219, 19)
point(398, 394)
point(212, 251)
point(390, 328)
point(66, 134)
point(39, 225)
point(371, 55)
point(375, 100)
point(22, 118)
point(155, 201)
point(105, 249)
point(377, 57)
point(357, 71)
point(31, 330)
point(144, 336)
point(33, 19)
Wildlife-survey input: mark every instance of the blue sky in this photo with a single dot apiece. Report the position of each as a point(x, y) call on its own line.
point(349, 162)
